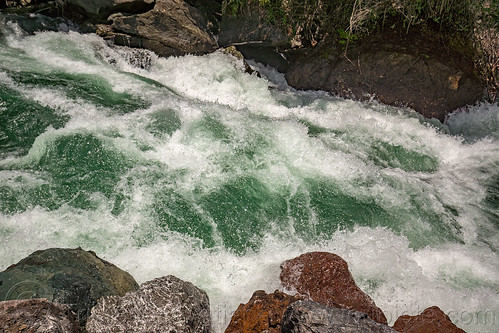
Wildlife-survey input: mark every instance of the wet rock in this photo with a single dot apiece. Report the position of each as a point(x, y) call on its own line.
point(172, 28)
point(262, 313)
point(70, 276)
point(324, 278)
point(431, 320)
point(36, 316)
point(101, 9)
point(166, 304)
point(232, 51)
point(34, 23)
point(312, 317)
point(411, 70)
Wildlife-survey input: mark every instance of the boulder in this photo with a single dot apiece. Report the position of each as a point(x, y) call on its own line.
point(311, 317)
point(70, 276)
point(100, 9)
point(409, 70)
point(166, 304)
point(172, 28)
point(36, 316)
point(431, 320)
point(262, 313)
point(324, 278)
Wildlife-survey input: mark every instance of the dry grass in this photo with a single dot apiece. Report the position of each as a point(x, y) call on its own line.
point(486, 38)
point(319, 17)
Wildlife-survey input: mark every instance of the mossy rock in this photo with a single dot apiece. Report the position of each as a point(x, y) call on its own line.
point(74, 277)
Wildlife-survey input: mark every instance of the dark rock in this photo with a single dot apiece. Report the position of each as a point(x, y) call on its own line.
point(256, 36)
point(166, 304)
point(431, 320)
point(411, 70)
point(37, 22)
point(70, 276)
point(266, 55)
point(172, 28)
point(21, 3)
point(21, 7)
point(312, 317)
point(100, 9)
point(36, 316)
point(324, 278)
point(251, 26)
point(211, 11)
point(262, 313)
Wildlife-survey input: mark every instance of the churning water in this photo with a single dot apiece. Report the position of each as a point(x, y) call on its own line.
point(189, 166)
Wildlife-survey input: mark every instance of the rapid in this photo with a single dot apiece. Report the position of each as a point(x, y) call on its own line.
point(189, 166)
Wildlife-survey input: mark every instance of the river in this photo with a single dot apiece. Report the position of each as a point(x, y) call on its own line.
point(190, 166)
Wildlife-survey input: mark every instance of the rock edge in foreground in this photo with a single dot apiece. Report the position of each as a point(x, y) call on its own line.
point(169, 303)
point(164, 304)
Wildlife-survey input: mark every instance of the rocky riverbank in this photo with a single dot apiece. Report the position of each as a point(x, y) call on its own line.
point(431, 72)
point(72, 290)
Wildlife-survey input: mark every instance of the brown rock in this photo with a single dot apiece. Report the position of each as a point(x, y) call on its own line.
point(431, 320)
point(172, 28)
point(409, 70)
point(454, 80)
point(324, 278)
point(262, 313)
point(36, 315)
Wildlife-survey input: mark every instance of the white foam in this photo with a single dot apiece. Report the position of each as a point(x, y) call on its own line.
point(476, 122)
point(218, 79)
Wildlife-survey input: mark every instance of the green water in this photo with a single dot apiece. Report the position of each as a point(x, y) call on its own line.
point(79, 168)
point(23, 120)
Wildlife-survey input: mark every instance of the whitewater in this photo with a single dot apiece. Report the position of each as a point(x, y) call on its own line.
point(189, 166)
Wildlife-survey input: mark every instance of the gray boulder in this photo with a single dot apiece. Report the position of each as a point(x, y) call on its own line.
point(166, 304)
point(312, 317)
point(70, 276)
point(172, 28)
point(36, 316)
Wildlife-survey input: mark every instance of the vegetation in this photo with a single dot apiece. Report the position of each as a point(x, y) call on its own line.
point(318, 18)
point(486, 38)
point(312, 21)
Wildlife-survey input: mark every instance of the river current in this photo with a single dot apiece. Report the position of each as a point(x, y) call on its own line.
point(189, 166)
